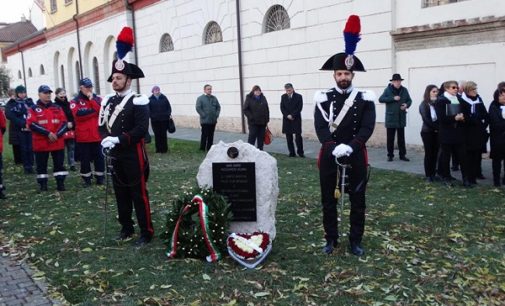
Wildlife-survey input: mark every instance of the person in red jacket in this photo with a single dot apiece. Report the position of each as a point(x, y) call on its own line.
point(48, 123)
point(3, 126)
point(85, 108)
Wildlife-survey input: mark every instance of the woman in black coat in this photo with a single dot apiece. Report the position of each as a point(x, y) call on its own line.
point(451, 132)
point(429, 131)
point(258, 115)
point(497, 137)
point(475, 129)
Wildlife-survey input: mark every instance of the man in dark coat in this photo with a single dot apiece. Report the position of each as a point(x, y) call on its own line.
point(208, 108)
point(397, 99)
point(123, 121)
point(344, 119)
point(160, 111)
point(291, 108)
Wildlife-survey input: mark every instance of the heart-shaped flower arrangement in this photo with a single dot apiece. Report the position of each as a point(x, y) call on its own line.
point(249, 249)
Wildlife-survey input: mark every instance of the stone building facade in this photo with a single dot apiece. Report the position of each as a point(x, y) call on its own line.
point(182, 45)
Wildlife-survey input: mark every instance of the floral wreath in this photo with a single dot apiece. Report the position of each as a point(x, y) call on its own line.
point(197, 225)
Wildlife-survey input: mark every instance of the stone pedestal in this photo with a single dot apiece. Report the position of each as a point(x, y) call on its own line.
point(267, 188)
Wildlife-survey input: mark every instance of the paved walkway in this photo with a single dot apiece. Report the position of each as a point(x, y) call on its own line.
point(377, 155)
point(17, 286)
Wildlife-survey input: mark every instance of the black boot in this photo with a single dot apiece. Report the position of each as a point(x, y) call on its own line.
point(330, 246)
point(99, 180)
point(87, 181)
point(2, 195)
point(357, 249)
point(43, 185)
point(60, 185)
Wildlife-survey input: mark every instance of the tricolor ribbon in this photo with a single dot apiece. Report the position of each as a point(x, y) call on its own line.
point(215, 255)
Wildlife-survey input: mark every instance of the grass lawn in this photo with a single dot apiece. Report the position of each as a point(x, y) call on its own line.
point(425, 243)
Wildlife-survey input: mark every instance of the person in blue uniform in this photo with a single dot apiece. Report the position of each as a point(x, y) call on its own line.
point(344, 119)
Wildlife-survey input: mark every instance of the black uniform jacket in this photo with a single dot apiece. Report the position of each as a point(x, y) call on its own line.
point(497, 130)
point(294, 108)
point(476, 124)
point(450, 130)
point(356, 127)
point(429, 126)
point(131, 124)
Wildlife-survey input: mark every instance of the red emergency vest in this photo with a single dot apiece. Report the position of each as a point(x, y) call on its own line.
point(50, 117)
point(86, 126)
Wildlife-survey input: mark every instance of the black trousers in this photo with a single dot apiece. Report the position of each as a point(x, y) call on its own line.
point(391, 141)
point(25, 145)
point(91, 152)
point(130, 169)
point(299, 143)
point(16, 152)
point(356, 177)
point(207, 138)
point(59, 171)
point(431, 146)
point(160, 129)
point(257, 135)
point(445, 156)
point(473, 160)
point(497, 165)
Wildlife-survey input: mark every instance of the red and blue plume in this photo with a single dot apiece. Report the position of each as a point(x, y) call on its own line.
point(124, 42)
point(351, 34)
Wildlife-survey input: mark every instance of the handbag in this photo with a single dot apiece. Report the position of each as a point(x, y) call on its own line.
point(171, 126)
point(268, 136)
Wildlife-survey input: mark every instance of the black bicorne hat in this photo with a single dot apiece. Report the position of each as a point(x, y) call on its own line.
point(124, 44)
point(342, 61)
point(347, 60)
point(131, 70)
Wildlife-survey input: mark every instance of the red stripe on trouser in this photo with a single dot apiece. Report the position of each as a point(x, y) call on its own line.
point(147, 208)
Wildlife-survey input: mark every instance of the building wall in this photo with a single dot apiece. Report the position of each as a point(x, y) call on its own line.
point(64, 12)
point(397, 36)
point(269, 59)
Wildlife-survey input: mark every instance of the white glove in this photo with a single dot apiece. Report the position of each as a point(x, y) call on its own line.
point(342, 150)
point(107, 145)
point(109, 142)
point(114, 140)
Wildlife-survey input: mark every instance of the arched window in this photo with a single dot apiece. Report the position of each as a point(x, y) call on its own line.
point(276, 19)
point(166, 43)
point(96, 76)
point(42, 70)
point(62, 73)
point(30, 72)
point(19, 75)
point(212, 33)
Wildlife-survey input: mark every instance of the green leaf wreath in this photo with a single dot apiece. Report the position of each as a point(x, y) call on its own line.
point(190, 239)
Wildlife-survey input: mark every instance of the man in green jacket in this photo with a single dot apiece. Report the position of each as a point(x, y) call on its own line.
point(208, 108)
point(397, 101)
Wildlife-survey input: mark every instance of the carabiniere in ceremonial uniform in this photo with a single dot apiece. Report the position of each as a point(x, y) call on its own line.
point(123, 121)
point(344, 120)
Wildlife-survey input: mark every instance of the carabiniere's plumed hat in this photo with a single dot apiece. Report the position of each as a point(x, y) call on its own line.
point(124, 44)
point(347, 60)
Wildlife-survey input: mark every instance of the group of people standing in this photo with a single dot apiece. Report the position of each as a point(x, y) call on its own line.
point(455, 122)
point(45, 128)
